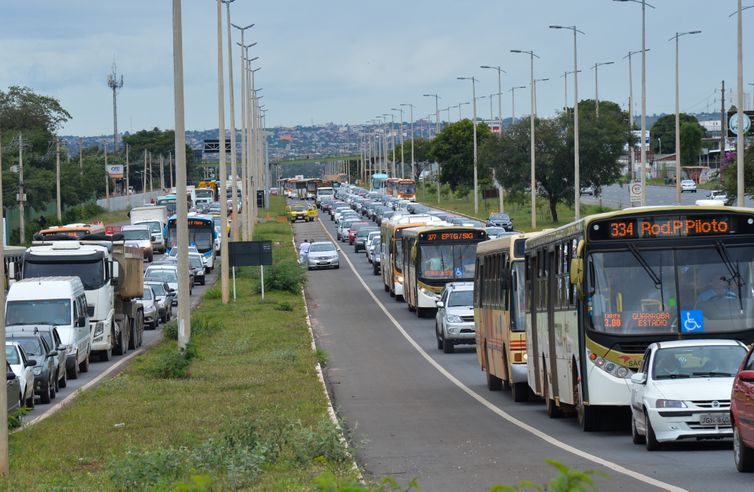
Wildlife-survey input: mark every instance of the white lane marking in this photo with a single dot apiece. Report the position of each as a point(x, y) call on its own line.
point(510, 418)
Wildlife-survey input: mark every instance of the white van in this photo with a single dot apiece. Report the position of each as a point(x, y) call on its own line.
point(58, 301)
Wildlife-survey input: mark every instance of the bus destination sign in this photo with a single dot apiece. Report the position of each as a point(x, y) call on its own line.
point(455, 236)
point(671, 227)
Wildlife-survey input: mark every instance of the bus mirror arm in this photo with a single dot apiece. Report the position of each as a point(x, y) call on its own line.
point(577, 271)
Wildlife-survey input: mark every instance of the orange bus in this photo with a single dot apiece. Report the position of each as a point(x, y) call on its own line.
point(73, 230)
point(406, 189)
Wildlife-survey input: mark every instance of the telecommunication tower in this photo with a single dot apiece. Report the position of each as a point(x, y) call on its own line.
point(115, 83)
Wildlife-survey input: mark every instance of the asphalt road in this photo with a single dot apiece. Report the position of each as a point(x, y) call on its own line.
point(617, 196)
point(96, 367)
point(413, 412)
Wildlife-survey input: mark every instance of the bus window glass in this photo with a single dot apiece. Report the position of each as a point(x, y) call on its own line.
point(518, 309)
point(447, 261)
point(398, 256)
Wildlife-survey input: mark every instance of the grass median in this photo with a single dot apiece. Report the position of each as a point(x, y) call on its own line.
point(247, 413)
point(519, 209)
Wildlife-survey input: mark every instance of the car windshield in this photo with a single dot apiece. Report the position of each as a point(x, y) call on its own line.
point(494, 231)
point(38, 312)
point(701, 361)
point(447, 261)
point(11, 355)
point(162, 275)
point(364, 232)
point(195, 261)
point(460, 298)
point(320, 247)
point(135, 234)
point(683, 291)
point(147, 294)
point(298, 208)
point(154, 227)
point(91, 273)
point(32, 346)
point(499, 217)
point(158, 289)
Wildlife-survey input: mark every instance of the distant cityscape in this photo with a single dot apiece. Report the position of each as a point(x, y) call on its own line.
point(331, 139)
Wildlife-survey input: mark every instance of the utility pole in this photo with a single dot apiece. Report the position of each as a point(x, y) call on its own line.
point(21, 192)
point(81, 157)
point(58, 207)
point(170, 169)
point(162, 172)
point(740, 141)
point(224, 261)
point(107, 181)
point(128, 185)
point(184, 308)
point(114, 83)
point(411, 117)
point(233, 172)
point(723, 125)
point(4, 467)
point(144, 186)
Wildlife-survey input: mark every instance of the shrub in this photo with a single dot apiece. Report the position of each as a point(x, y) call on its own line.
point(213, 293)
point(284, 306)
point(171, 363)
point(321, 441)
point(170, 330)
point(15, 418)
point(286, 276)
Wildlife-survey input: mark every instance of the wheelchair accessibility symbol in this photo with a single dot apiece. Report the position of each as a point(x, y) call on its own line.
point(459, 271)
point(693, 321)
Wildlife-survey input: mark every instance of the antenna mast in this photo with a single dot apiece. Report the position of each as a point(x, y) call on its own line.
point(115, 83)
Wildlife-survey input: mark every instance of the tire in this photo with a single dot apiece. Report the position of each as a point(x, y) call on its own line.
point(651, 441)
point(742, 455)
point(121, 346)
point(587, 417)
point(520, 392)
point(73, 371)
point(337, 267)
point(552, 409)
point(151, 257)
point(84, 366)
point(105, 355)
point(203, 281)
point(636, 438)
point(46, 395)
point(494, 383)
point(438, 337)
point(448, 347)
point(54, 388)
point(387, 289)
point(63, 383)
point(375, 270)
point(30, 402)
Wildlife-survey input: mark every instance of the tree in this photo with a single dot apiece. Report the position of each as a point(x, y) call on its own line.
point(664, 131)
point(422, 156)
point(691, 142)
point(729, 174)
point(453, 148)
point(158, 143)
point(601, 143)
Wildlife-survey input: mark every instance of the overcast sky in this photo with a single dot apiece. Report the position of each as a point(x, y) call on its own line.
point(349, 60)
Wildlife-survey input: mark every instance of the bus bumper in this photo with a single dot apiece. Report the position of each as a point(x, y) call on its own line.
point(398, 288)
point(519, 373)
point(606, 389)
point(427, 299)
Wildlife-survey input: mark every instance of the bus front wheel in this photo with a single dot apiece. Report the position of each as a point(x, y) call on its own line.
point(587, 417)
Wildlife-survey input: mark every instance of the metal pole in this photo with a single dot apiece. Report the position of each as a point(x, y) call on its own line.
point(58, 198)
point(233, 172)
point(184, 313)
point(81, 157)
point(677, 129)
point(244, 148)
point(4, 467)
point(128, 186)
point(643, 175)
point(740, 147)
point(500, 109)
point(224, 263)
point(107, 181)
point(576, 154)
point(21, 191)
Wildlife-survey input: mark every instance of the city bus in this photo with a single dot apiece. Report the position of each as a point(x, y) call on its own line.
point(73, 230)
point(406, 189)
point(601, 289)
point(311, 188)
point(378, 180)
point(499, 313)
point(201, 233)
point(167, 201)
point(391, 186)
point(434, 256)
point(391, 255)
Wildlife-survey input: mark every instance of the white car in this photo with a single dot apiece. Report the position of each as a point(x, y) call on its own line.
point(151, 313)
point(454, 321)
point(22, 368)
point(682, 391)
point(688, 185)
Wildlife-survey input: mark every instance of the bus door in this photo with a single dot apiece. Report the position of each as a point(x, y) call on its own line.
point(532, 295)
point(550, 266)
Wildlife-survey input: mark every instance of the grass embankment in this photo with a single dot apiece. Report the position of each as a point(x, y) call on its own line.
point(519, 212)
point(250, 413)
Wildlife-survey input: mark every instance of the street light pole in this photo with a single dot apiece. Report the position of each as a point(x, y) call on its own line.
point(400, 137)
point(232, 115)
point(740, 112)
point(437, 130)
point(596, 67)
point(411, 117)
point(632, 157)
point(224, 262)
point(678, 116)
point(533, 115)
point(500, 71)
point(512, 90)
point(473, 105)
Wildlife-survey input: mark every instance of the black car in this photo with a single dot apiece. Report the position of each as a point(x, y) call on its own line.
point(359, 242)
point(45, 358)
point(51, 336)
point(500, 220)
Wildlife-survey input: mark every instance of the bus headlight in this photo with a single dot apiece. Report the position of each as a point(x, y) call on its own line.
point(99, 328)
point(400, 279)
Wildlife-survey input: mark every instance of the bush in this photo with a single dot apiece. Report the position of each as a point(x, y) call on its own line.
point(286, 276)
point(172, 363)
point(213, 293)
point(284, 306)
point(170, 330)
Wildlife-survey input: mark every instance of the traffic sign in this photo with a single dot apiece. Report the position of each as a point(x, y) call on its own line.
point(635, 191)
point(733, 123)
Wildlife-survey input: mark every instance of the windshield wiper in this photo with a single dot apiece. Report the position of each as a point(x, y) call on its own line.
point(673, 376)
point(652, 275)
point(732, 269)
point(713, 374)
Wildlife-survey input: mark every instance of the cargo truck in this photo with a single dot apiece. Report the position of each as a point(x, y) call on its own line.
point(156, 217)
point(112, 274)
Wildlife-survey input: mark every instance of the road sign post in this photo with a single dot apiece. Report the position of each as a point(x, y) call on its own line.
point(250, 253)
point(635, 192)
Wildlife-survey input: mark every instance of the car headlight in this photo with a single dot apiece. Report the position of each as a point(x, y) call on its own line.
point(670, 404)
point(37, 371)
point(452, 318)
point(99, 328)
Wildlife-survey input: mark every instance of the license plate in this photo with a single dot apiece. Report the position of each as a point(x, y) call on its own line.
point(714, 419)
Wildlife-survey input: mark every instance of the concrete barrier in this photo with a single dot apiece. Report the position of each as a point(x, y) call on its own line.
point(126, 202)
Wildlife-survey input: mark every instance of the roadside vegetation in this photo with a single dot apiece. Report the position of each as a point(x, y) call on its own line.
point(246, 411)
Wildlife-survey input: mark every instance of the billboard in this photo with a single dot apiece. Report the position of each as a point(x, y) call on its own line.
point(115, 171)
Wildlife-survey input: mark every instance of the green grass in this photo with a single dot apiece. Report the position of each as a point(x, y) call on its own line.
point(251, 413)
point(519, 212)
point(109, 217)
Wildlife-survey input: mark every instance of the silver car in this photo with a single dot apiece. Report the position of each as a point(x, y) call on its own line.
point(141, 237)
point(151, 313)
point(323, 255)
point(454, 322)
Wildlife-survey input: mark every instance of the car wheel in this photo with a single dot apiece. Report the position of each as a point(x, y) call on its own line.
point(742, 455)
point(203, 281)
point(636, 438)
point(30, 402)
point(45, 396)
point(447, 345)
point(437, 336)
point(84, 366)
point(651, 439)
point(120, 344)
point(64, 380)
point(337, 266)
point(54, 387)
point(73, 371)
point(375, 270)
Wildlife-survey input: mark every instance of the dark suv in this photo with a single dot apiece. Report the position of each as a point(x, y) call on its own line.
point(500, 220)
point(36, 349)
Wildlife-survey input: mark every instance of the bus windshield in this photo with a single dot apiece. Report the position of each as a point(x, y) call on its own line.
point(707, 289)
point(447, 261)
point(407, 188)
point(201, 237)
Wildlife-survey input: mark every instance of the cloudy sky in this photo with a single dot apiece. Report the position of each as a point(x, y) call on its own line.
point(350, 60)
